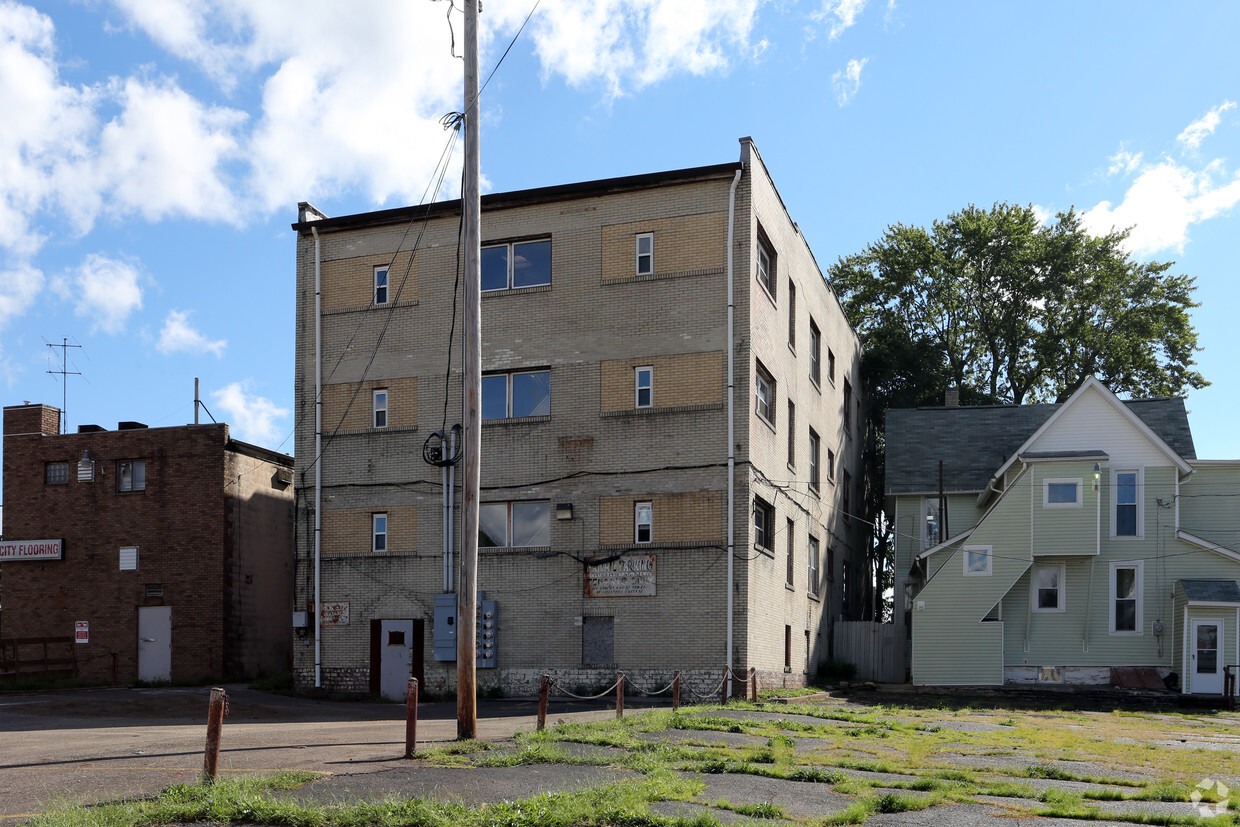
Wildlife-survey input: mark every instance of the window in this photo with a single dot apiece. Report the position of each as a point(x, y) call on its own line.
point(56, 473)
point(1126, 504)
point(848, 402)
point(514, 525)
point(814, 480)
point(1061, 493)
point(1127, 587)
point(830, 465)
point(787, 648)
point(791, 535)
point(764, 390)
point(381, 285)
point(845, 597)
point(831, 366)
point(763, 524)
point(378, 532)
point(645, 254)
point(846, 497)
point(515, 265)
point(766, 263)
point(931, 534)
point(1048, 591)
point(792, 434)
point(131, 476)
point(978, 561)
point(512, 395)
point(644, 381)
point(815, 352)
point(792, 315)
point(380, 408)
point(830, 565)
point(597, 641)
point(129, 558)
point(643, 522)
point(813, 566)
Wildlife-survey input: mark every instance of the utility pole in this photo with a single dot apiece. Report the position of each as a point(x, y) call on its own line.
point(467, 583)
point(64, 372)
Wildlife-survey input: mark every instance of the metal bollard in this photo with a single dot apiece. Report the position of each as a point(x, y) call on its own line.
point(619, 694)
point(544, 691)
point(215, 722)
point(753, 684)
point(676, 691)
point(411, 718)
point(723, 693)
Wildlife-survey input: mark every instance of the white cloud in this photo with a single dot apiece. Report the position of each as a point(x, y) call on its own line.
point(841, 15)
point(1164, 201)
point(847, 81)
point(19, 286)
point(253, 418)
point(1123, 162)
point(177, 335)
point(1203, 127)
point(106, 291)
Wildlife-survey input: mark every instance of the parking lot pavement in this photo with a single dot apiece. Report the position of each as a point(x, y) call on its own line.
point(88, 746)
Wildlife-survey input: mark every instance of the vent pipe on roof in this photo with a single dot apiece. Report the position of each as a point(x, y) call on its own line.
point(951, 399)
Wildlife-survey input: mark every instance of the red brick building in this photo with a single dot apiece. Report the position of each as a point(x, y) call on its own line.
point(173, 546)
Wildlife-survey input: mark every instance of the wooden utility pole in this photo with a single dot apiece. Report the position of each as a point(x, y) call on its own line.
point(467, 583)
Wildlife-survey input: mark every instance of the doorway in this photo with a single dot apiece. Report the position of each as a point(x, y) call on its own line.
point(1206, 665)
point(395, 656)
point(154, 643)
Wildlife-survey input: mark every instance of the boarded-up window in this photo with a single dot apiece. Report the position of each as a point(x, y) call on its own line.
point(597, 641)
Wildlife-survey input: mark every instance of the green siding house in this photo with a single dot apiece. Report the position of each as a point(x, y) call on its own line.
point(1081, 542)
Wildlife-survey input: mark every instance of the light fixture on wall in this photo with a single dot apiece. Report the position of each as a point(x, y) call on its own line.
point(1097, 475)
point(564, 511)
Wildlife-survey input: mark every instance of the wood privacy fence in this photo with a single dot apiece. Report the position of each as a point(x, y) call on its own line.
point(876, 649)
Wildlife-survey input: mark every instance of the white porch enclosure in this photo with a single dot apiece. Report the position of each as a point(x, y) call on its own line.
point(877, 649)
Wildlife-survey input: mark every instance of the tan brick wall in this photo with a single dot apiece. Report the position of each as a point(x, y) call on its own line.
point(402, 408)
point(349, 283)
point(693, 517)
point(681, 244)
point(348, 530)
point(688, 379)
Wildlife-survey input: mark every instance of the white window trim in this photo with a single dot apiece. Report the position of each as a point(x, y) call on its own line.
point(926, 540)
point(763, 377)
point(637, 386)
point(376, 408)
point(375, 533)
point(1046, 492)
point(1139, 567)
point(815, 460)
point(387, 286)
point(813, 556)
point(637, 521)
point(1140, 472)
point(637, 264)
point(1033, 588)
point(989, 551)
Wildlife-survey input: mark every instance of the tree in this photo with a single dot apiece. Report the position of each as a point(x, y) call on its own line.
point(1008, 310)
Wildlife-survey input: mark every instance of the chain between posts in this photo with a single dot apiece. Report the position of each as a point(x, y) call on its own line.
point(749, 679)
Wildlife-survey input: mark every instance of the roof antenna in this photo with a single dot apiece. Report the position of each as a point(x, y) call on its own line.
point(64, 372)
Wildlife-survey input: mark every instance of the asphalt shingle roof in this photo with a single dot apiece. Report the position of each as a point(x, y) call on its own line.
point(1213, 591)
point(973, 442)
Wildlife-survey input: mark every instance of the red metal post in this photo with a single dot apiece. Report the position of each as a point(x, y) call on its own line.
point(676, 691)
point(544, 691)
point(411, 718)
point(753, 684)
point(619, 694)
point(215, 722)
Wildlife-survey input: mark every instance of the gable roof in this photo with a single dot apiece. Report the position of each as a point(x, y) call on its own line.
point(1211, 591)
point(973, 442)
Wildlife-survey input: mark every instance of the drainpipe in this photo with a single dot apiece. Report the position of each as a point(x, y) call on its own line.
point(731, 418)
point(318, 461)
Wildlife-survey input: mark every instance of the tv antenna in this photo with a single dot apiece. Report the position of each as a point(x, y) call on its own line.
point(64, 373)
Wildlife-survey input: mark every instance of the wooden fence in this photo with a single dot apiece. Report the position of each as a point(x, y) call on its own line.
point(876, 649)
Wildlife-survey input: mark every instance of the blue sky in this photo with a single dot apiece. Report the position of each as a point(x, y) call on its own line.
point(152, 152)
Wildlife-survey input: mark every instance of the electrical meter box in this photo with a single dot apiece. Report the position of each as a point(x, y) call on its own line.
point(487, 630)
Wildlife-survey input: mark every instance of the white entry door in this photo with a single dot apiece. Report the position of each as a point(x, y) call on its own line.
point(396, 658)
point(154, 643)
point(1207, 660)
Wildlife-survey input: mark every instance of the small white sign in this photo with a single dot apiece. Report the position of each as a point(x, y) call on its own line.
point(81, 631)
point(31, 549)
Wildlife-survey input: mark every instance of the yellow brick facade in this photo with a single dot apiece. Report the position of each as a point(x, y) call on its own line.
point(349, 284)
point(683, 243)
point(686, 379)
point(346, 407)
point(695, 517)
point(350, 530)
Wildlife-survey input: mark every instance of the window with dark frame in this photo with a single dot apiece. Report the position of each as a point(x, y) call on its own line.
point(1126, 592)
point(766, 263)
point(846, 496)
point(848, 404)
point(520, 524)
point(515, 395)
point(813, 566)
point(764, 393)
point(381, 285)
point(516, 264)
point(792, 315)
point(830, 465)
point(56, 473)
point(764, 524)
point(831, 366)
point(792, 434)
point(787, 648)
point(131, 476)
point(815, 352)
point(814, 448)
point(790, 530)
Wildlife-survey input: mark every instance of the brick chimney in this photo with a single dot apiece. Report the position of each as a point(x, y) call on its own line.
point(31, 419)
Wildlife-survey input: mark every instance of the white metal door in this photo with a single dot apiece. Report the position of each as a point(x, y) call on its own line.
point(395, 658)
point(1207, 662)
point(155, 643)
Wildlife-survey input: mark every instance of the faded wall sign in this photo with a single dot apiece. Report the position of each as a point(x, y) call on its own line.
point(335, 613)
point(629, 576)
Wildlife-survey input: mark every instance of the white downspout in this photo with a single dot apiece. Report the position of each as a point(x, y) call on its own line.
point(731, 420)
point(318, 461)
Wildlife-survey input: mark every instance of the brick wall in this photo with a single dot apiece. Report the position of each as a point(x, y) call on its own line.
point(678, 380)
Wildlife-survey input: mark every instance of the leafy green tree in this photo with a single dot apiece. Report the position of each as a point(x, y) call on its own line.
point(1008, 310)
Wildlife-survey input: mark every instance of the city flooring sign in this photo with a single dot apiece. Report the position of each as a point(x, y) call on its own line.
point(629, 576)
point(31, 550)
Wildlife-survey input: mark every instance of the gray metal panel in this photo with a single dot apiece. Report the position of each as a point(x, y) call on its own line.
point(973, 442)
point(1212, 591)
point(445, 627)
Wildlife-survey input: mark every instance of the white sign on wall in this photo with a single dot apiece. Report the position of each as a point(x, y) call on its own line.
point(628, 576)
point(81, 631)
point(31, 550)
